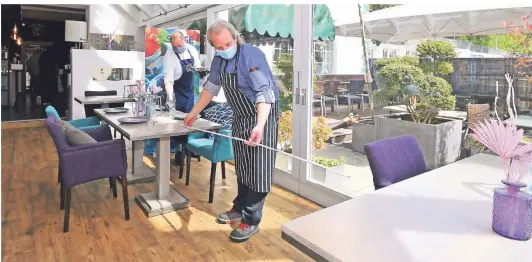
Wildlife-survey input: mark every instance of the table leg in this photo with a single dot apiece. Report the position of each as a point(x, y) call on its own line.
point(165, 199)
point(139, 173)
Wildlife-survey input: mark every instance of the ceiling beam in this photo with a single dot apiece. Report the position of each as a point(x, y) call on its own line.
point(164, 7)
point(173, 15)
point(131, 11)
point(144, 10)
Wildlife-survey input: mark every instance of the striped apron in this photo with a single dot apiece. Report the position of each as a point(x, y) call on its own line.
point(254, 165)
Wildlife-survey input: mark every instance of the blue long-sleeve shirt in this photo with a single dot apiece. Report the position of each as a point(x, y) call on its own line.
point(258, 86)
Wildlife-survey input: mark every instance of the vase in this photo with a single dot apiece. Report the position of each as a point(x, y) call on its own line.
point(140, 107)
point(512, 212)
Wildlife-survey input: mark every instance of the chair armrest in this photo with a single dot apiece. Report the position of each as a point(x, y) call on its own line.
point(99, 133)
point(84, 163)
point(89, 121)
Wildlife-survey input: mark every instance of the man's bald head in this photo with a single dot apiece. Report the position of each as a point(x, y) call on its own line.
point(177, 39)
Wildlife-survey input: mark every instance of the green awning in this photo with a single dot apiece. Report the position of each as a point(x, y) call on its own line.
point(277, 20)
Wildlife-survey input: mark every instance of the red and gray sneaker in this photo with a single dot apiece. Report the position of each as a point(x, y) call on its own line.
point(244, 232)
point(229, 217)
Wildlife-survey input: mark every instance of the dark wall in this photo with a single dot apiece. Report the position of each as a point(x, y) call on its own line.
point(42, 30)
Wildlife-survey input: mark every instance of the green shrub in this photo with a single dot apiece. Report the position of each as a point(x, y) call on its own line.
point(328, 162)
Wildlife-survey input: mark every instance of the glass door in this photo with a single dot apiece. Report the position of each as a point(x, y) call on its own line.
point(290, 59)
point(312, 132)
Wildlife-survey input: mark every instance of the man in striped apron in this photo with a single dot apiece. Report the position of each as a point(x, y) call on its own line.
point(247, 81)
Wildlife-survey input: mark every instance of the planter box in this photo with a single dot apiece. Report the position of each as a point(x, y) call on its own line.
point(362, 135)
point(283, 162)
point(440, 143)
point(331, 177)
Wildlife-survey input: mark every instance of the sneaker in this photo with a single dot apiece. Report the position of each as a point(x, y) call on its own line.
point(243, 232)
point(229, 217)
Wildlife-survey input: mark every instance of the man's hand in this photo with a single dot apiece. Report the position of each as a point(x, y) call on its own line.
point(190, 119)
point(256, 136)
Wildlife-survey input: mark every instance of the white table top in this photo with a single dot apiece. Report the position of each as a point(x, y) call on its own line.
point(95, 100)
point(163, 127)
point(442, 215)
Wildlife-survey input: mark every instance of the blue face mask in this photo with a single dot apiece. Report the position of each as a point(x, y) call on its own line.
point(228, 53)
point(179, 49)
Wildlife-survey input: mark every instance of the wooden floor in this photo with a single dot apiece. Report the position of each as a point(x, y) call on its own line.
point(32, 222)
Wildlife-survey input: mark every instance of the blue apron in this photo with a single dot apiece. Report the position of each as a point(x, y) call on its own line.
point(184, 86)
point(184, 101)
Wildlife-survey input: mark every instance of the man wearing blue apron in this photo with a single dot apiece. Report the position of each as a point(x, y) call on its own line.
point(179, 64)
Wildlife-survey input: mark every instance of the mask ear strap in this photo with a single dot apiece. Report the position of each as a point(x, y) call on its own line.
point(236, 58)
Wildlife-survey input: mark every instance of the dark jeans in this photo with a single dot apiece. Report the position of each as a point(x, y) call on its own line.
point(250, 203)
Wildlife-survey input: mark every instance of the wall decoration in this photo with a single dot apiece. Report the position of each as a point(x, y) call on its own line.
point(157, 44)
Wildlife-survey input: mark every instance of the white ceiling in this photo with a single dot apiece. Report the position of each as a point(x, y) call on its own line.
point(156, 14)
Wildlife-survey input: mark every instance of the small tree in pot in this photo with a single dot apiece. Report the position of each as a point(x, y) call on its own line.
point(423, 95)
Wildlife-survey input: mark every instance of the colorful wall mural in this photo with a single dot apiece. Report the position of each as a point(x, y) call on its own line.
point(157, 44)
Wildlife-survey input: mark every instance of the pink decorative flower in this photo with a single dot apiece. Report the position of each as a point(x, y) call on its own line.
point(501, 138)
point(155, 90)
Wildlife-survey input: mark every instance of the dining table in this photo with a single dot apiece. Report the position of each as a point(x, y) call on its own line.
point(164, 199)
point(102, 100)
point(442, 215)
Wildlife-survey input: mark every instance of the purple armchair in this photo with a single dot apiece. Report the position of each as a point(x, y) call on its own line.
point(394, 159)
point(89, 162)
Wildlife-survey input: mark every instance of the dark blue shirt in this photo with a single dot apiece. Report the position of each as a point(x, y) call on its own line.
point(258, 86)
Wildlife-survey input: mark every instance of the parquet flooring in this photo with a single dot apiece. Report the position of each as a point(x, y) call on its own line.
point(32, 221)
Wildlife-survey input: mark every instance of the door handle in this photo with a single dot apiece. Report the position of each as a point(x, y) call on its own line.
point(298, 88)
point(304, 99)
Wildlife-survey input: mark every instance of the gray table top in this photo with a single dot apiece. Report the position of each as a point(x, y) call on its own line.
point(442, 215)
point(163, 127)
point(94, 100)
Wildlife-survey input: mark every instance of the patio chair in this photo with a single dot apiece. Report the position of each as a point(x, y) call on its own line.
point(322, 97)
point(79, 164)
point(89, 109)
point(82, 124)
point(331, 93)
point(356, 93)
point(475, 113)
point(217, 150)
point(394, 159)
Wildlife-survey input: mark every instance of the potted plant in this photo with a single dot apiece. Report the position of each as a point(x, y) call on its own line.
point(423, 94)
point(320, 134)
point(512, 207)
point(284, 140)
point(333, 173)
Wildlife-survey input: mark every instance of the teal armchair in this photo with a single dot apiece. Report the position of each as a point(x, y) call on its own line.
point(217, 150)
point(82, 124)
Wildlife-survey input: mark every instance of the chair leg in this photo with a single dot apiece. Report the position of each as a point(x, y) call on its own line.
point(125, 196)
point(189, 158)
point(62, 197)
point(211, 188)
point(68, 196)
point(223, 169)
point(182, 156)
point(115, 134)
point(113, 186)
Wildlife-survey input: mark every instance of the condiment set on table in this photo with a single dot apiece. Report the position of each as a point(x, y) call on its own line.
point(144, 107)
